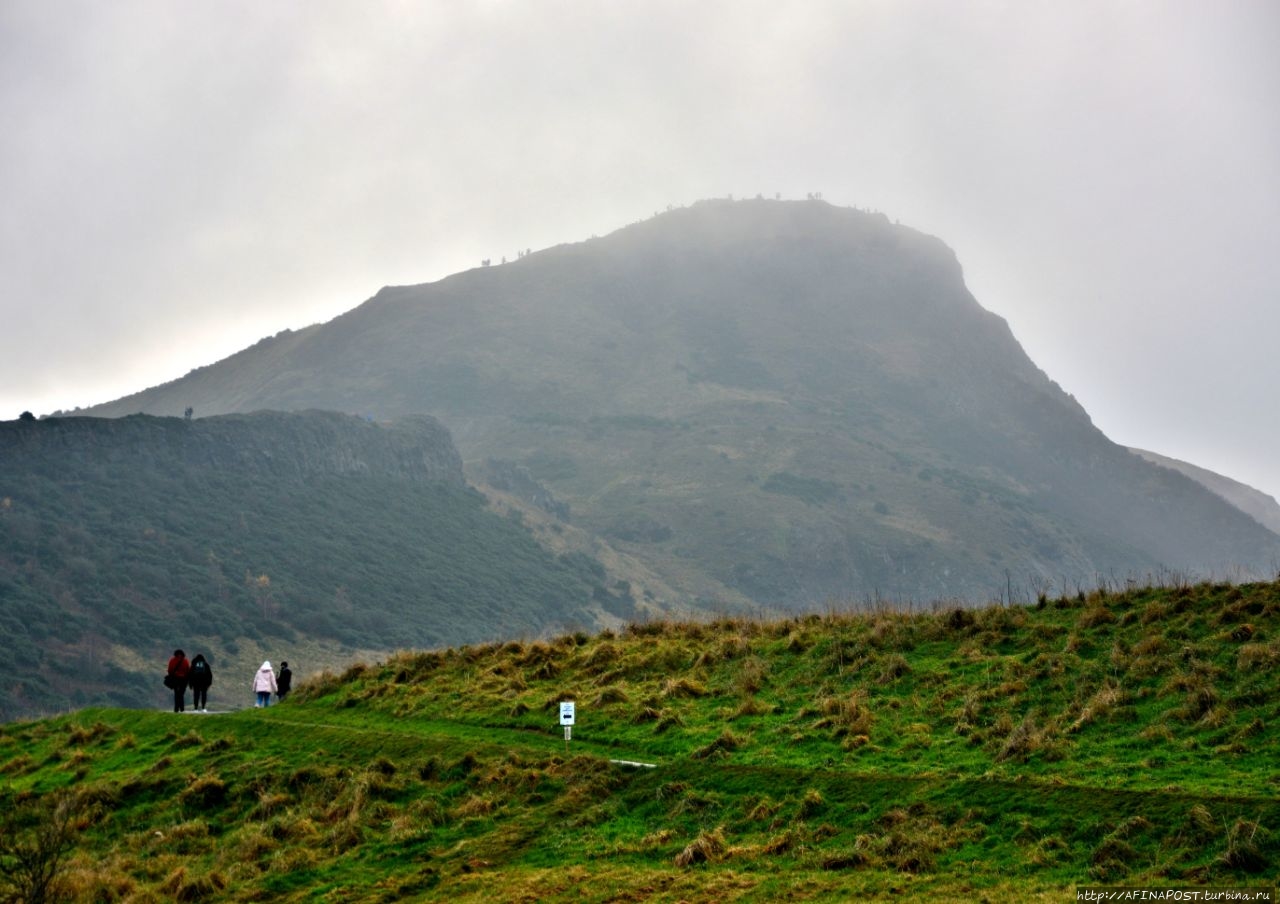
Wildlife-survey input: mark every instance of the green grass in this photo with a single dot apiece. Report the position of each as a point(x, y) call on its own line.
point(101, 563)
point(998, 753)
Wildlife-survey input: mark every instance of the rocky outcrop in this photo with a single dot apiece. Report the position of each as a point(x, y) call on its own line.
point(509, 477)
point(283, 445)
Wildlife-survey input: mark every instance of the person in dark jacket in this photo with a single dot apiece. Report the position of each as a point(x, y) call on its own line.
point(178, 668)
point(200, 677)
point(284, 681)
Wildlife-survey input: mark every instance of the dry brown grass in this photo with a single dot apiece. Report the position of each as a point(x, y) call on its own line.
point(610, 695)
point(1096, 615)
point(657, 838)
point(811, 804)
point(754, 707)
point(602, 657)
point(708, 847)
point(908, 842)
point(784, 843)
point(1020, 742)
point(751, 675)
point(893, 667)
point(763, 810)
point(725, 744)
point(1257, 657)
point(476, 805)
point(1245, 847)
point(1151, 645)
point(675, 688)
point(849, 715)
point(182, 886)
point(204, 791)
point(1100, 705)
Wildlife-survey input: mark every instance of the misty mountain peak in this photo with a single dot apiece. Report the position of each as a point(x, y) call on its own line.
point(762, 401)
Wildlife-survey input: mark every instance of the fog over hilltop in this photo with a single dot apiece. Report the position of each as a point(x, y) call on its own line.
point(181, 180)
point(765, 402)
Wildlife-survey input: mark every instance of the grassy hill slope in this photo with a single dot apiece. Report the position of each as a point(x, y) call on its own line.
point(1258, 505)
point(246, 537)
point(770, 402)
point(997, 754)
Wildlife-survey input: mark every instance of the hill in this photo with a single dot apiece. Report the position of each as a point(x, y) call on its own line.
point(303, 536)
point(763, 402)
point(1002, 753)
point(1256, 504)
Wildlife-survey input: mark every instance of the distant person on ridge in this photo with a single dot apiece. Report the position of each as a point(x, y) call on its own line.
point(284, 681)
point(200, 677)
point(264, 684)
point(176, 678)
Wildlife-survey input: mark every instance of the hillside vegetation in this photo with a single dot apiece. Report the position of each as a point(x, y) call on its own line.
point(249, 537)
point(1004, 753)
point(1256, 504)
point(768, 403)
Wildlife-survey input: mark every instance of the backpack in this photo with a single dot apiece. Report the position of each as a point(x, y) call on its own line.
point(199, 672)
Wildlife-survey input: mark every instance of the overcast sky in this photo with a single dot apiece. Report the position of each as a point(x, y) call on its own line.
point(178, 179)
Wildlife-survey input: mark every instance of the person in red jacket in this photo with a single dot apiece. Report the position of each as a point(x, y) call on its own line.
point(178, 669)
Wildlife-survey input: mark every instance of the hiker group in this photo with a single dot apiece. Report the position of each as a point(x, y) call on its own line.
point(198, 675)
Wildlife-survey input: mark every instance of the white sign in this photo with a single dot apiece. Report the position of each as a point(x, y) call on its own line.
point(566, 712)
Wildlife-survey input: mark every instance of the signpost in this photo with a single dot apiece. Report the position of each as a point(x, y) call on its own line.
point(566, 719)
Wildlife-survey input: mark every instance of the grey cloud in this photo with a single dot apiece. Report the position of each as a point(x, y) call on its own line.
point(181, 179)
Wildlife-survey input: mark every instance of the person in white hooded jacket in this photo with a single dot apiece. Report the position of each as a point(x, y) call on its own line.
point(264, 684)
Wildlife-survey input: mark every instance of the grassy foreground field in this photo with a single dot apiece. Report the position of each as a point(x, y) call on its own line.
point(992, 754)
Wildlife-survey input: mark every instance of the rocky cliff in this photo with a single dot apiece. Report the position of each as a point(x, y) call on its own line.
point(282, 445)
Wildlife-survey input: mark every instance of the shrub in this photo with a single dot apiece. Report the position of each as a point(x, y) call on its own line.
point(959, 620)
point(34, 841)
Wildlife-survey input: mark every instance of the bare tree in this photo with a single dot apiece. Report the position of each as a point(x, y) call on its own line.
point(34, 842)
